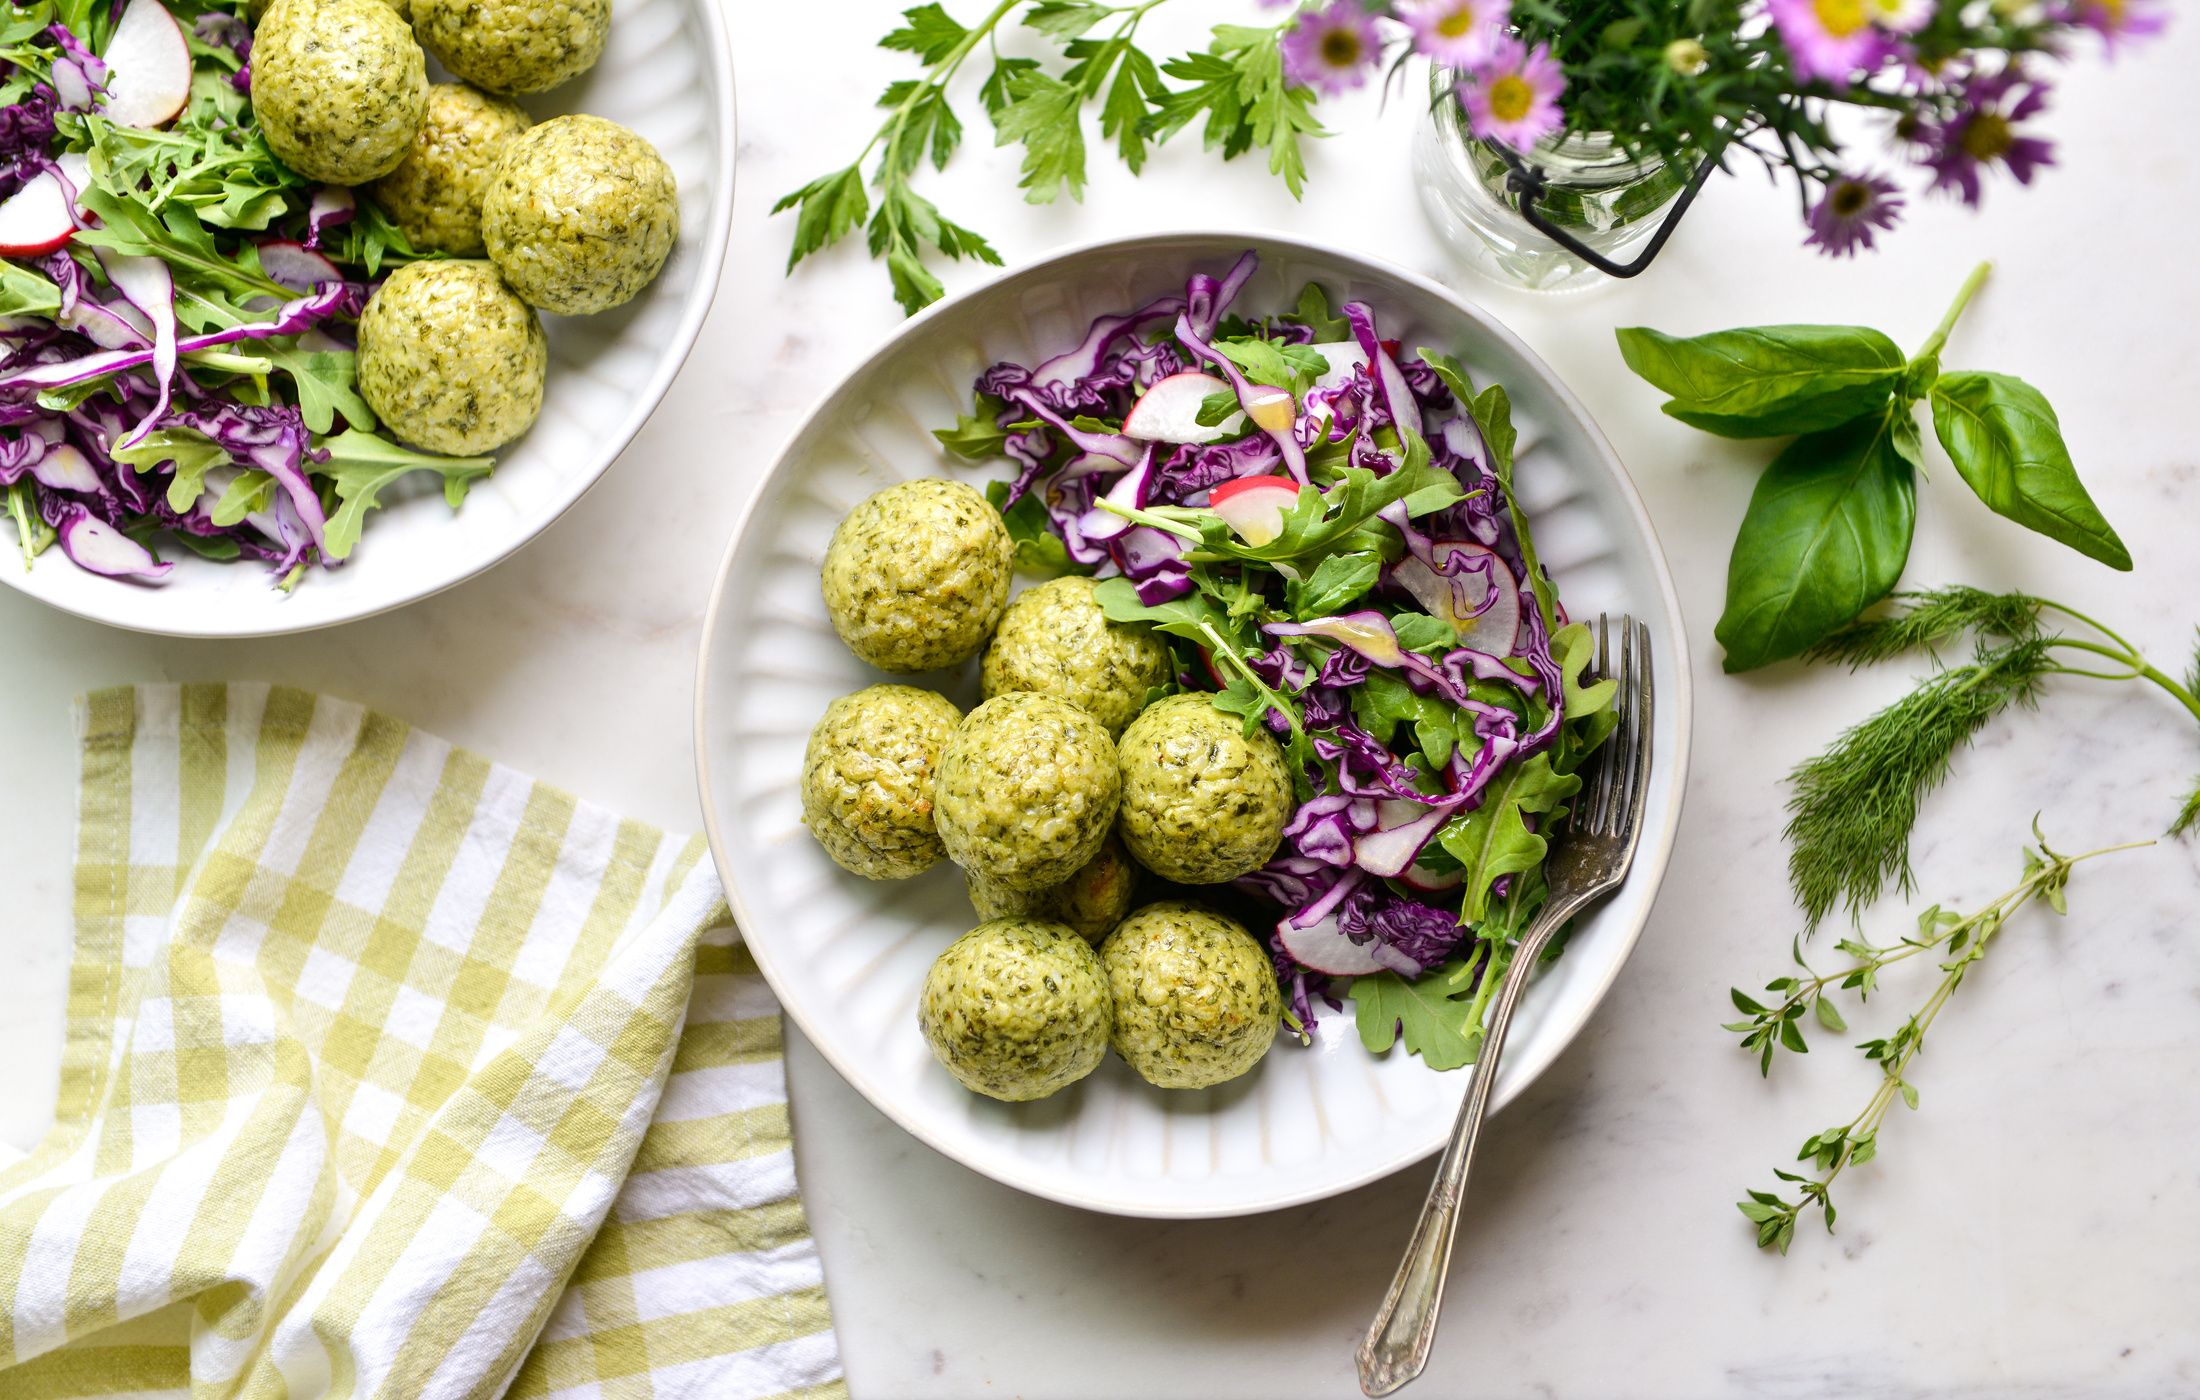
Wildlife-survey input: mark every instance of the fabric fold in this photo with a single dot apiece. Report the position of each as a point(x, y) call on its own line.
point(390, 1072)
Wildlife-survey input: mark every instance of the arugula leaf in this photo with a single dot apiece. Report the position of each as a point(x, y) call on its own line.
point(978, 435)
point(1319, 522)
point(1493, 840)
point(26, 293)
point(1436, 1016)
point(1417, 631)
point(179, 239)
point(1382, 702)
point(1194, 617)
point(360, 464)
point(252, 490)
point(1767, 381)
point(1217, 409)
point(32, 533)
point(1293, 367)
point(1042, 113)
point(1038, 549)
point(2003, 436)
point(193, 454)
point(327, 382)
point(1336, 583)
point(1314, 314)
point(1826, 536)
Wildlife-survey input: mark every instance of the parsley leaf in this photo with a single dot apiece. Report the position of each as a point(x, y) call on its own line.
point(1042, 114)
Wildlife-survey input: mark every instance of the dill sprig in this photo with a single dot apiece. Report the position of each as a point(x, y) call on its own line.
point(1960, 940)
point(1854, 806)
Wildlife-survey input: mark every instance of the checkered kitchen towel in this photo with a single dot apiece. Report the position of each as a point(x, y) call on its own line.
point(392, 1073)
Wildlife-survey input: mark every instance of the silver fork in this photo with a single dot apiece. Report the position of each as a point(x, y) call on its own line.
point(1587, 863)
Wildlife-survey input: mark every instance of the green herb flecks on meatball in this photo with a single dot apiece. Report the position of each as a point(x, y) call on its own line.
point(1027, 791)
point(867, 779)
point(1055, 640)
point(435, 194)
point(1196, 1001)
point(1016, 1009)
point(514, 46)
point(916, 576)
point(338, 87)
point(1092, 901)
point(450, 359)
point(1202, 801)
point(579, 215)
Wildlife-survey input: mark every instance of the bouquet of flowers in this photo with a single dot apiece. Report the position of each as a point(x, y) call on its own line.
point(1957, 87)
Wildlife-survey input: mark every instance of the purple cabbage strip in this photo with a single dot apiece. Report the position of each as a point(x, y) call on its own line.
point(275, 440)
point(293, 316)
point(1205, 299)
point(26, 137)
point(1287, 441)
point(1397, 397)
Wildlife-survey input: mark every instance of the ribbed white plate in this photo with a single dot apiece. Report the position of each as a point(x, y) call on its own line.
point(667, 73)
point(847, 955)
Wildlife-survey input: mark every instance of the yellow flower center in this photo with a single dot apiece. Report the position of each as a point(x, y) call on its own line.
point(1456, 24)
point(1341, 48)
point(1510, 98)
point(1841, 18)
point(1987, 137)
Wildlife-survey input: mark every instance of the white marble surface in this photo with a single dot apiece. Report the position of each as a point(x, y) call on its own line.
point(2028, 1234)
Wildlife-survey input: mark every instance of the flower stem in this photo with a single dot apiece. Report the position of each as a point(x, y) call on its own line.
point(1970, 287)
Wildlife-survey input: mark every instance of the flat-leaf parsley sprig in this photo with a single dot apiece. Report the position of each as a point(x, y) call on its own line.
point(1958, 941)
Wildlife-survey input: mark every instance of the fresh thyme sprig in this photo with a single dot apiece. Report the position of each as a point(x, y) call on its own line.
point(1237, 85)
point(1963, 939)
point(1854, 806)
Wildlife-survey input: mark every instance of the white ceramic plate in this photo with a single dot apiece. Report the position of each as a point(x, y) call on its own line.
point(847, 956)
point(667, 72)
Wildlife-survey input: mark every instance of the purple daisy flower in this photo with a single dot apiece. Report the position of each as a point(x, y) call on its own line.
point(1512, 96)
point(1986, 134)
point(1456, 33)
point(1829, 39)
point(1901, 16)
point(1851, 212)
point(2118, 20)
point(1332, 48)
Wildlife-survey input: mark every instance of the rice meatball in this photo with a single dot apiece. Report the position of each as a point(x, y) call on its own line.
point(1016, 1009)
point(1196, 1001)
point(434, 194)
point(1026, 791)
point(867, 779)
point(1202, 801)
point(1055, 640)
point(450, 359)
point(580, 214)
point(916, 575)
point(1092, 901)
point(339, 87)
point(514, 46)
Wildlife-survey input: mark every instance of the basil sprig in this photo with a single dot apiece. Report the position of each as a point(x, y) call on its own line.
point(1829, 527)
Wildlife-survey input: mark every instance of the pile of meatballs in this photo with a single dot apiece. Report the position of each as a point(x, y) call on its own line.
point(575, 215)
point(1059, 795)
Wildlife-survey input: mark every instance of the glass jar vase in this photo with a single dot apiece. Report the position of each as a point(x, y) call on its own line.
point(1609, 200)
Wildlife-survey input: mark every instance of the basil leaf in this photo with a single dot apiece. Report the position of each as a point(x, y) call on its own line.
point(1767, 381)
point(1827, 533)
point(2004, 439)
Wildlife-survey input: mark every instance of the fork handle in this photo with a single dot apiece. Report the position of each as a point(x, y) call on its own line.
point(1397, 1344)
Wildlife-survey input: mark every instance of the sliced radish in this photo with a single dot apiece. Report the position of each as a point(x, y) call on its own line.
point(65, 468)
point(1169, 411)
point(149, 67)
point(70, 87)
point(1129, 493)
point(1345, 358)
point(1403, 829)
point(295, 265)
point(1427, 881)
point(1324, 948)
point(37, 218)
point(91, 543)
point(1479, 596)
point(1253, 506)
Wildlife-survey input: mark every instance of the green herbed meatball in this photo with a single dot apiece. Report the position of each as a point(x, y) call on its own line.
point(1195, 998)
point(1026, 791)
point(916, 576)
point(1202, 803)
point(1092, 901)
point(450, 359)
point(867, 779)
point(1016, 1009)
point(580, 214)
point(435, 193)
point(1055, 640)
point(338, 86)
point(513, 46)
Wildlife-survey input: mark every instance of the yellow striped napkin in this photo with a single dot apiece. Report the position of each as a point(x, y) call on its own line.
point(390, 1072)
